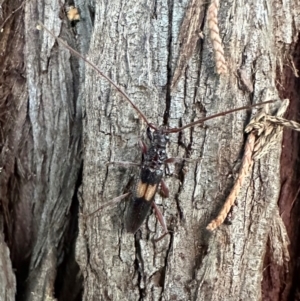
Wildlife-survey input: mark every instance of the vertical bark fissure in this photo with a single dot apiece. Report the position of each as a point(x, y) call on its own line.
point(15, 211)
point(288, 288)
point(139, 267)
point(69, 279)
point(169, 64)
point(165, 267)
point(55, 114)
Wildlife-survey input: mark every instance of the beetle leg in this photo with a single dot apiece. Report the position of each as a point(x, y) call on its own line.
point(161, 220)
point(164, 189)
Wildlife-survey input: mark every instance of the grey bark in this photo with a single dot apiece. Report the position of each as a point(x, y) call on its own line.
point(40, 152)
point(67, 115)
point(55, 114)
point(137, 45)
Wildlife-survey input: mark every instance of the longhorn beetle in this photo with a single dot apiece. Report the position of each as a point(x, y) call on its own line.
point(153, 159)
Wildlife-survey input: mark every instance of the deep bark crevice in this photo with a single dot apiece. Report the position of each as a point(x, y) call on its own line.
point(69, 280)
point(139, 266)
point(277, 284)
point(290, 174)
point(169, 66)
point(15, 209)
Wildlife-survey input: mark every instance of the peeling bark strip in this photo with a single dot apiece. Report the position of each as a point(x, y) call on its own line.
point(214, 34)
point(268, 127)
point(190, 32)
point(246, 165)
point(264, 131)
point(189, 35)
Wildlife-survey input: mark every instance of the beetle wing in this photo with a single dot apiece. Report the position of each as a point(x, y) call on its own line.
point(137, 212)
point(140, 205)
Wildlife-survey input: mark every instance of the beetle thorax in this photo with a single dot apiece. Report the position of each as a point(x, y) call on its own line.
point(156, 154)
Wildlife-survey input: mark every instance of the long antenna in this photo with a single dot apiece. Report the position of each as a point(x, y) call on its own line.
point(99, 71)
point(176, 130)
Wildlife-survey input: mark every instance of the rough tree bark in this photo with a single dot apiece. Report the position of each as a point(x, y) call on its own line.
point(43, 146)
point(137, 44)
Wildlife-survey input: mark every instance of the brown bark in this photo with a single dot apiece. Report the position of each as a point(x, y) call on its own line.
point(139, 51)
point(15, 231)
point(139, 44)
point(40, 149)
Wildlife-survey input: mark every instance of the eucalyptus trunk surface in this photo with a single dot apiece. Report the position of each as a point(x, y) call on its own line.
point(67, 132)
point(138, 45)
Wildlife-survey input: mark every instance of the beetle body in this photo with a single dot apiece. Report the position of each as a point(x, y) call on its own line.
point(152, 169)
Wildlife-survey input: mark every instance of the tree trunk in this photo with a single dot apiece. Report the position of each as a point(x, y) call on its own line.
point(137, 44)
point(67, 115)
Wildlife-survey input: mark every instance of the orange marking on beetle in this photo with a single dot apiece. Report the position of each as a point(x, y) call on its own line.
point(141, 189)
point(145, 191)
point(151, 190)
